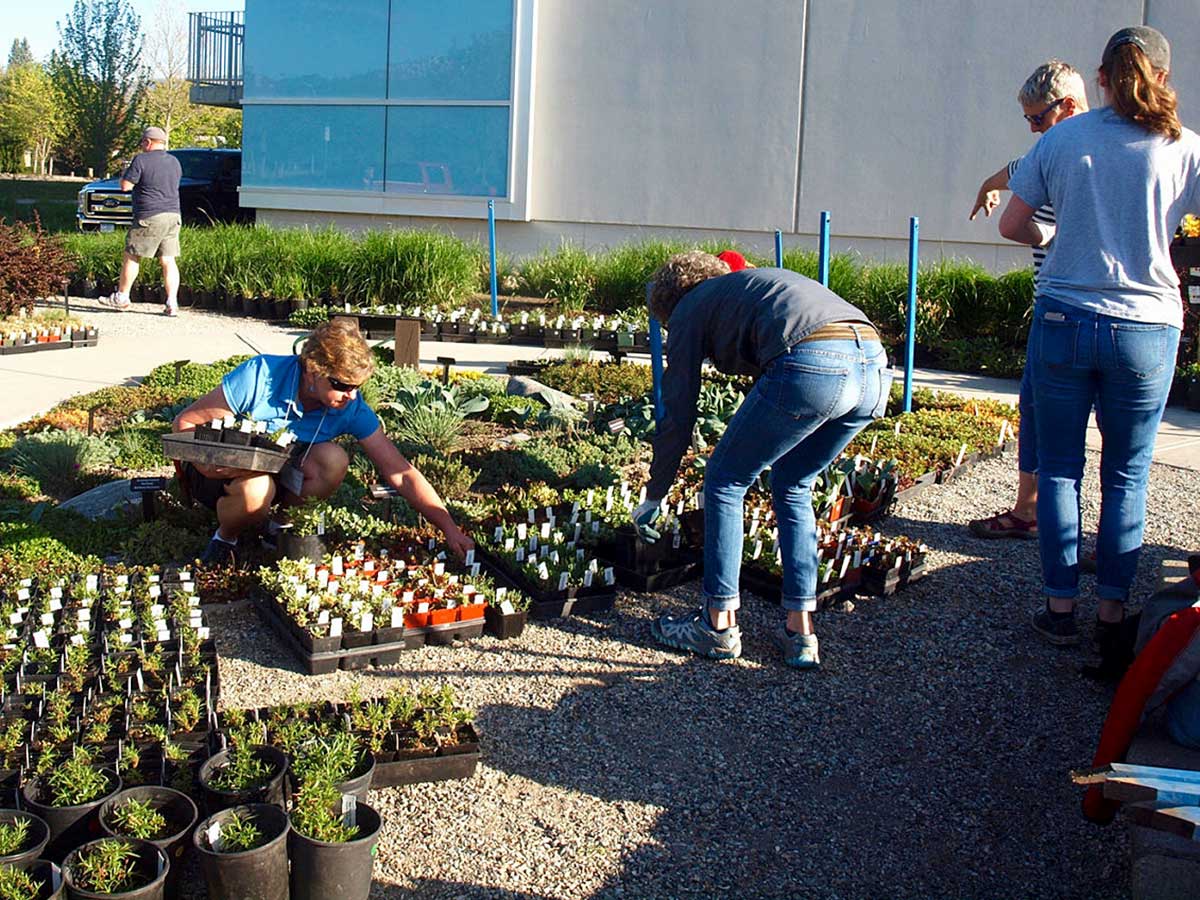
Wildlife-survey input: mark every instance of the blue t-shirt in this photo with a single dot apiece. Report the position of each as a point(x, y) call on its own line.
point(1118, 192)
point(265, 388)
point(155, 175)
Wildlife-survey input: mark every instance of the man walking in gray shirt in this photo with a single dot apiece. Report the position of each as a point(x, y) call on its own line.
point(153, 176)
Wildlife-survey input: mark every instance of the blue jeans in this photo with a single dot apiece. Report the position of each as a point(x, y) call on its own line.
point(805, 408)
point(1077, 356)
point(1027, 456)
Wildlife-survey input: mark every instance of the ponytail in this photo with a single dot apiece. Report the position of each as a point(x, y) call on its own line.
point(1136, 95)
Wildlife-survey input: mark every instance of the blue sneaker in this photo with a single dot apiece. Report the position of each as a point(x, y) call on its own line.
point(694, 634)
point(800, 651)
point(219, 553)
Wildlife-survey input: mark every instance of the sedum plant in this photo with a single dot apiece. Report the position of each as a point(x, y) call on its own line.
point(107, 867)
point(18, 884)
point(13, 836)
point(137, 818)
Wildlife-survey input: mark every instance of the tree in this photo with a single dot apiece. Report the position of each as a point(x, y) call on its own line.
point(30, 114)
point(98, 69)
point(20, 54)
point(166, 102)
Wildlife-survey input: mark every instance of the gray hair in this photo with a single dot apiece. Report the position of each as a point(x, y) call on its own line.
point(1051, 81)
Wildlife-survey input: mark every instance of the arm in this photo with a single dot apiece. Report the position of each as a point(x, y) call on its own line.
point(988, 197)
point(681, 388)
point(126, 185)
point(1016, 224)
point(402, 475)
point(212, 405)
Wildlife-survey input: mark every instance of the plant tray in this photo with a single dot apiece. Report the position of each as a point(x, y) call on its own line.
point(504, 627)
point(185, 448)
point(552, 604)
point(770, 587)
point(422, 769)
point(918, 487)
point(884, 585)
point(659, 580)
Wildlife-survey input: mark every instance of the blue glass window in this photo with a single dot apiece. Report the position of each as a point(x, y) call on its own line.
point(328, 147)
point(457, 150)
point(316, 48)
point(451, 50)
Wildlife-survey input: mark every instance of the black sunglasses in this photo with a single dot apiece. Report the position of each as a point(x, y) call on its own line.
point(1036, 118)
point(341, 385)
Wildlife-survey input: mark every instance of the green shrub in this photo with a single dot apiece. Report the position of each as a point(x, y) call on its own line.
point(56, 459)
point(622, 273)
point(195, 379)
point(567, 274)
point(432, 428)
point(139, 445)
point(386, 382)
point(845, 271)
point(309, 317)
point(412, 267)
point(608, 382)
point(451, 478)
point(18, 487)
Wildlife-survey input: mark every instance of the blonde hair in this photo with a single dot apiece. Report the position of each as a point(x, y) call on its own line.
point(1136, 95)
point(1053, 80)
point(680, 274)
point(337, 348)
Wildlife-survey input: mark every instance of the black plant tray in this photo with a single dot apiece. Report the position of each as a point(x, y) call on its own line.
point(186, 448)
point(770, 587)
point(918, 487)
point(526, 367)
point(504, 627)
point(425, 768)
point(659, 580)
point(552, 604)
point(879, 584)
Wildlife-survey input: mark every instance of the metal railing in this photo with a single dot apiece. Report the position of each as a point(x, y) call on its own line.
point(215, 48)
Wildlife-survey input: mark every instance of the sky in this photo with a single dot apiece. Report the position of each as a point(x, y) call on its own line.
point(36, 20)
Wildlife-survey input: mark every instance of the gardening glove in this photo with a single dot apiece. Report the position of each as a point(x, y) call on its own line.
point(644, 518)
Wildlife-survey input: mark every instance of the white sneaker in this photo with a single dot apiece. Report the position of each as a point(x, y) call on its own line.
point(171, 308)
point(113, 301)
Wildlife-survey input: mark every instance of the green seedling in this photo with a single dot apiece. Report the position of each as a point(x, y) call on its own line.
point(75, 782)
point(137, 818)
point(107, 867)
point(316, 813)
point(13, 837)
point(18, 884)
point(243, 772)
point(239, 834)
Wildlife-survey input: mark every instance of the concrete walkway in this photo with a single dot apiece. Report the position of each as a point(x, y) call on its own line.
point(134, 342)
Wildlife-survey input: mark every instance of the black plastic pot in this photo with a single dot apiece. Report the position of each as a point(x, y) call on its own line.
point(69, 826)
point(321, 870)
point(49, 879)
point(39, 836)
point(504, 625)
point(258, 874)
point(177, 808)
point(151, 867)
point(301, 546)
point(271, 792)
point(358, 784)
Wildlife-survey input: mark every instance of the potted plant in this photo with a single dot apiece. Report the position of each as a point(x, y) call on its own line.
point(506, 614)
point(67, 797)
point(23, 837)
point(160, 815)
point(112, 867)
point(243, 852)
point(332, 851)
point(243, 774)
point(338, 758)
point(41, 881)
point(302, 539)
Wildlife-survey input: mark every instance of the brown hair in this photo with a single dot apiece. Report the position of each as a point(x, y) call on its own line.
point(1136, 95)
point(680, 274)
point(337, 348)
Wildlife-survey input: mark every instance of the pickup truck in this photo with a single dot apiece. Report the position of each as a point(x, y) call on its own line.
point(208, 192)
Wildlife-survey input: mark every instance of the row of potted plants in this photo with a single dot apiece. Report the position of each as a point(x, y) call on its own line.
point(32, 337)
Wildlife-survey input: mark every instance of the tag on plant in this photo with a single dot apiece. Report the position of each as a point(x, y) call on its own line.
point(469, 558)
point(610, 577)
point(214, 837)
point(335, 627)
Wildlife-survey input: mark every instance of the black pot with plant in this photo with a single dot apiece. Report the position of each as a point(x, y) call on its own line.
point(338, 758)
point(244, 852)
point(332, 851)
point(160, 815)
point(42, 880)
point(67, 799)
point(116, 867)
point(243, 775)
point(23, 837)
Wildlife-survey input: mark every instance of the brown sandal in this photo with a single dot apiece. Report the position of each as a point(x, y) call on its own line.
point(1004, 525)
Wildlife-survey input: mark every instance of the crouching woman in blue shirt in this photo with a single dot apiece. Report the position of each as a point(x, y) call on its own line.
point(822, 377)
point(315, 396)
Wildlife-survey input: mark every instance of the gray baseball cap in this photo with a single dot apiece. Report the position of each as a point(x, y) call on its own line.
point(154, 133)
point(1149, 40)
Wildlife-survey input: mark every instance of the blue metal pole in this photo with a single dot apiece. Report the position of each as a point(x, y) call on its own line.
point(656, 360)
point(492, 251)
point(823, 250)
point(911, 340)
point(778, 249)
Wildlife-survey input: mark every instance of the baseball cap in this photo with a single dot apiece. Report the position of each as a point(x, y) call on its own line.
point(154, 133)
point(1149, 40)
point(733, 259)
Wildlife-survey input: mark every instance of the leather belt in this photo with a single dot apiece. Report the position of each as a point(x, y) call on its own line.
point(843, 331)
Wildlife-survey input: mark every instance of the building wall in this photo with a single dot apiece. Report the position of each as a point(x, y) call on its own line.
point(678, 118)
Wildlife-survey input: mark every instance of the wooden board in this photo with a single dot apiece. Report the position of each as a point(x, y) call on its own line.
point(1183, 821)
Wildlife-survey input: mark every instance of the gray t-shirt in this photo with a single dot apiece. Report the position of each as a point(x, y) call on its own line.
point(740, 322)
point(1119, 192)
point(155, 175)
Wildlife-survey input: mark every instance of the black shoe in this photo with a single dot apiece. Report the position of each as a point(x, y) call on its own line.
point(219, 553)
point(1058, 629)
point(1114, 642)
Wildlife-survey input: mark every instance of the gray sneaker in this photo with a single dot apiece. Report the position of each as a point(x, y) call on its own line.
point(113, 301)
point(800, 651)
point(693, 633)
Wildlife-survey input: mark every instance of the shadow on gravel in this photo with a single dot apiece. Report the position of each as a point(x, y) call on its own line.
point(432, 887)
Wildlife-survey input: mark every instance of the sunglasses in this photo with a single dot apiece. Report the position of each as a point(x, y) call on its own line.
point(1036, 119)
point(341, 385)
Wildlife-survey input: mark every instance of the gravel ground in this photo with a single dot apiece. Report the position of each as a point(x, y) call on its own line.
point(927, 758)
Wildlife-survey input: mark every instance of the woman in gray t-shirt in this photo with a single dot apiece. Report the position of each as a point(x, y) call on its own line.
point(1107, 318)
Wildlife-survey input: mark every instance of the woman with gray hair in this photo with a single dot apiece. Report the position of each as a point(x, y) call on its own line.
point(822, 377)
point(1107, 318)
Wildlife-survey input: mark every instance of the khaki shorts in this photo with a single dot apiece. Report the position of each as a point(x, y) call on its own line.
point(156, 236)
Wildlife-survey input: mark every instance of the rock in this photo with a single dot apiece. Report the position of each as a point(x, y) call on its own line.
point(104, 501)
point(524, 386)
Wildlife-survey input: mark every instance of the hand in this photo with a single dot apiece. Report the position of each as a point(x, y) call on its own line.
point(986, 200)
point(458, 542)
point(644, 518)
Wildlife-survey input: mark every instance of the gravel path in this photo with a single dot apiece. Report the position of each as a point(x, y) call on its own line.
point(927, 758)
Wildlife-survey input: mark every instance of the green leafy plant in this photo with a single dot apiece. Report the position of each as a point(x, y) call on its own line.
point(106, 867)
point(332, 758)
point(13, 836)
point(137, 818)
point(76, 782)
point(438, 430)
point(567, 274)
point(239, 834)
point(57, 459)
point(242, 772)
point(449, 477)
point(18, 884)
point(316, 813)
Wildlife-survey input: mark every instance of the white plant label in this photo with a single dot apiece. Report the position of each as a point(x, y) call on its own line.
point(562, 581)
point(397, 617)
point(335, 627)
point(469, 558)
point(610, 577)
